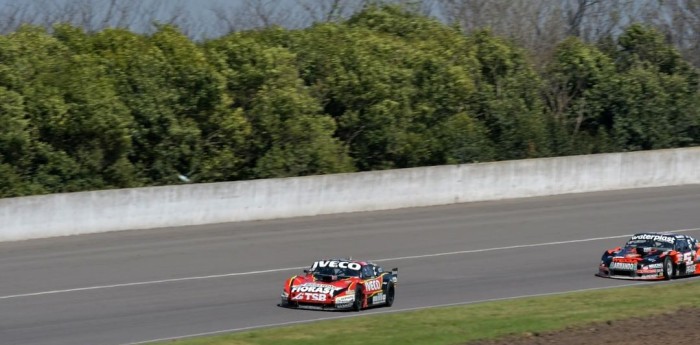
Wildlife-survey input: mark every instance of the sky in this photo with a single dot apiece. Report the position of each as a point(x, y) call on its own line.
point(202, 14)
point(204, 18)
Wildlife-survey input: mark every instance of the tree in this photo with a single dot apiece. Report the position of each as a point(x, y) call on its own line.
point(654, 103)
point(539, 25)
point(507, 100)
point(679, 21)
point(184, 125)
point(580, 78)
point(290, 135)
point(15, 147)
point(80, 130)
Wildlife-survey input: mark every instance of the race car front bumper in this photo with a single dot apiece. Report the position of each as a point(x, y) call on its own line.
point(640, 274)
point(338, 303)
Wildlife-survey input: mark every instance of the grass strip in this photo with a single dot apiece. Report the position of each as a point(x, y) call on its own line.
point(460, 324)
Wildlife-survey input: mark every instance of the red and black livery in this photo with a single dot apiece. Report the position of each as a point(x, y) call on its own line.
point(341, 284)
point(652, 256)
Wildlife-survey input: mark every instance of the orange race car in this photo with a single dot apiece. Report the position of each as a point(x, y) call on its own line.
point(652, 256)
point(340, 284)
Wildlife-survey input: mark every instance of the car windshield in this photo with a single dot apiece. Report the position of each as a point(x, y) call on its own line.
point(336, 271)
point(335, 268)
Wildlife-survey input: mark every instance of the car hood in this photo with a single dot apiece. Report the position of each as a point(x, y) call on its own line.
point(338, 282)
point(309, 284)
point(639, 254)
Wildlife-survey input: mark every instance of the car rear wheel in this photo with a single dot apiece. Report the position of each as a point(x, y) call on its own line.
point(668, 268)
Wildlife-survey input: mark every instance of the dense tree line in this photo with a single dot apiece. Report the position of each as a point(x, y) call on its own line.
point(385, 88)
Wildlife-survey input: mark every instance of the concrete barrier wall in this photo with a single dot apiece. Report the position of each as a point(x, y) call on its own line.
point(141, 208)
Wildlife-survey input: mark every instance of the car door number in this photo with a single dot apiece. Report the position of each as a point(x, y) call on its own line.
point(688, 258)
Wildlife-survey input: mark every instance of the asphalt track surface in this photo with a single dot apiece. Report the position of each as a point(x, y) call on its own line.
point(135, 286)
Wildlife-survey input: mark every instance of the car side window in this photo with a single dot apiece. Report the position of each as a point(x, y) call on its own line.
point(682, 245)
point(367, 272)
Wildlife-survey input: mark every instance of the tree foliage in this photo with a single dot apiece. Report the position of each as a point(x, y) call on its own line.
point(386, 88)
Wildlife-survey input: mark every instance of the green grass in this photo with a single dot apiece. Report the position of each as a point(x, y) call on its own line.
point(459, 324)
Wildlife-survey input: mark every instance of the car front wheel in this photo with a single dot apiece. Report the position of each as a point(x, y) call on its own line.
point(357, 306)
point(390, 293)
point(668, 268)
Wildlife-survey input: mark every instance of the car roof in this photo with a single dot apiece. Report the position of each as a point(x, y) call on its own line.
point(361, 262)
point(667, 234)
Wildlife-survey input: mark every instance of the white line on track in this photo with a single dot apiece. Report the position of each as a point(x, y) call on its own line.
point(290, 323)
point(153, 282)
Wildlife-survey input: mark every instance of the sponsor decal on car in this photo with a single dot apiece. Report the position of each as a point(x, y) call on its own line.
point(661, 238)
point(319, 297)
point(651, 276)
point(336, 264)
point(652, 266)
point(623, 266)
point(315, 288)
point(345, 299)
point(379, 298)
point(373, 284)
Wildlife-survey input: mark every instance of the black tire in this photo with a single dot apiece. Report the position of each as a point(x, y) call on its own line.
point(390, 294)
point(669, 270)
point(289, 304)
point(357, 305)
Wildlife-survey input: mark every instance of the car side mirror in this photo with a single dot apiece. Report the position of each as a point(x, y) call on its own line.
point(307, 271)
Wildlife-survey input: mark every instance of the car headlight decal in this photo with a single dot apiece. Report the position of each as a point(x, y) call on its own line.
point(345, 299)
